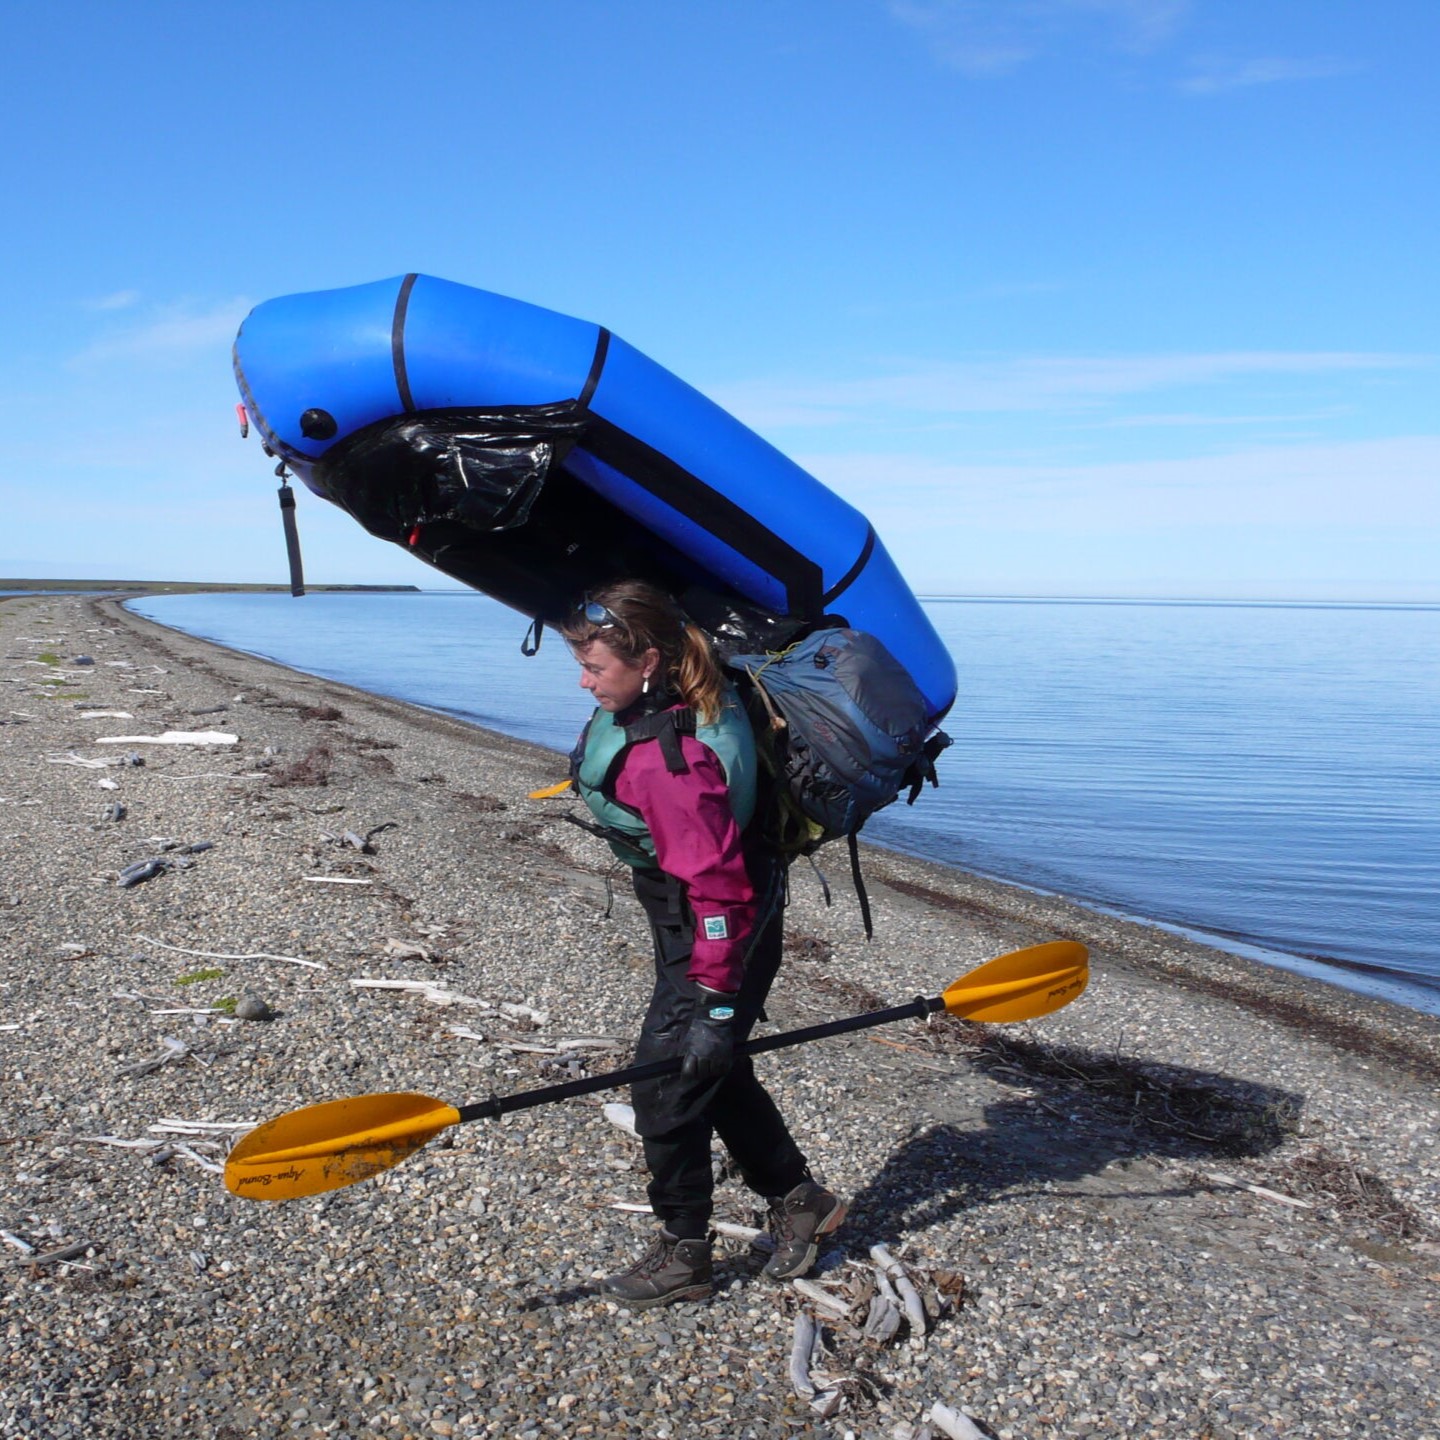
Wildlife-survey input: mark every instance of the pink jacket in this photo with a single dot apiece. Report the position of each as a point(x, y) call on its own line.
point(698, 842)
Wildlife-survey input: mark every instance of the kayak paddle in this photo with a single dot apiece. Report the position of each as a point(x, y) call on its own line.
point(328, 1146)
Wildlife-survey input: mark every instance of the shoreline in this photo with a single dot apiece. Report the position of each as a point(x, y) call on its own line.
point(1085, 1175)
point(1356, 977)
point(1353, 979)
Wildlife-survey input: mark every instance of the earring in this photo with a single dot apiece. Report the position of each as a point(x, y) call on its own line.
point(645, 686)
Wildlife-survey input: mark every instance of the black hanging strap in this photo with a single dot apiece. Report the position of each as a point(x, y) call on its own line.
point(530, 645)
point(292, 532)
point(820, 876)
point(859, 880)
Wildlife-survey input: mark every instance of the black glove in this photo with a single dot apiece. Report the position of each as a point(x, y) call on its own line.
point(709, 1048)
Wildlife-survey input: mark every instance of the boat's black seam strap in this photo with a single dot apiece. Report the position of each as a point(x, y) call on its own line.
point(854, 572)
point(602, 348)
point(717, 513)
point(397, 343)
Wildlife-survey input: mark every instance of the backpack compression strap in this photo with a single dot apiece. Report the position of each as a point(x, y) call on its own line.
point(922, 768)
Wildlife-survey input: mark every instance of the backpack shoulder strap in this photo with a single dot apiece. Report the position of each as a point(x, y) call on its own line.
point(666, 726)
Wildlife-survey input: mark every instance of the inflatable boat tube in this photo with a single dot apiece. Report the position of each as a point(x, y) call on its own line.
point(534, 456)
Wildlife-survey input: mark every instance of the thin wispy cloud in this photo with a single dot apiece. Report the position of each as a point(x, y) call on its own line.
point(996, 37)
point(1065, 384)
point(119, 300)
point(1190, 420)
point(1388, 482)
point(169, 332)
point(1214, 76)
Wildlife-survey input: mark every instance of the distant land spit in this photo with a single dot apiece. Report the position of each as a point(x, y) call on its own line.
point(195, 587)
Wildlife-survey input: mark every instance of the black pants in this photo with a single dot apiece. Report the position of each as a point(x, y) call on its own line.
point(676, 1118)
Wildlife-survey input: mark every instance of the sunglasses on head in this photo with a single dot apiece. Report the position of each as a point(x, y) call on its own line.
point(601, 616)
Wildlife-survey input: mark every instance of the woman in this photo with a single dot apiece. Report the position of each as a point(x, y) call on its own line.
point(667, 767)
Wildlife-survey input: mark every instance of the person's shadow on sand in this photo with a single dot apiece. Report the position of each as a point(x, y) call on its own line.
point(1082, 1111)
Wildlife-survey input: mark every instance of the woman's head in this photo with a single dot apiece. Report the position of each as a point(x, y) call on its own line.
point(632, 639)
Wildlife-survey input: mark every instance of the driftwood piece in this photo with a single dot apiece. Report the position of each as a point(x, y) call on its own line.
point(805, 1338)
point(818, 1295)
point(426, 989)
point(146, 869)
point(538, 1018)
point(172, 1050)
point(407, 950)
point(1260, 1190)
point(189, 1153)
point(172, 737)
point(882, 1320)
point(909, 1296)
point(166, 1125)
point(726, 1228)
point(954, 1424)
point(16, 1243)
point(731, 1231)
point(216, 955)
point(334, 880)
point(217, 775)
point(621, 1116)
point(826, 1393)
point(60, 1256)
point(120, 1144)
point(464, 1032)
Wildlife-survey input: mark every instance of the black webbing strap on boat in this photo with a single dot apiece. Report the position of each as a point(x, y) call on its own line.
point(292, 532)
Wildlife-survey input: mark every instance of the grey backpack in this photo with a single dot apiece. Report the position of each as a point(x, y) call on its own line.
point(842, 729)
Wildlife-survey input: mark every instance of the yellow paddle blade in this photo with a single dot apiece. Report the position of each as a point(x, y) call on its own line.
point(325, 1147)
point(551, 791)
point(1022, 985)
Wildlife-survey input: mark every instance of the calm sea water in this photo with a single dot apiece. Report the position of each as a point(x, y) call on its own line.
point(1263, 775)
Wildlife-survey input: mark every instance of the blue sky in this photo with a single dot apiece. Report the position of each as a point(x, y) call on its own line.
point(1094, 297)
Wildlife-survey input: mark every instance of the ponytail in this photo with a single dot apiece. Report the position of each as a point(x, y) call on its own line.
point(697, 676)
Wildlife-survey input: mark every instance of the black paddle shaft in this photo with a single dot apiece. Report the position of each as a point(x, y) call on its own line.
point(497, 1105)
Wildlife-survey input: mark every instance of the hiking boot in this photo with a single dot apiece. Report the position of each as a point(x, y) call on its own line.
point(796, 1222)
point(671, 1269)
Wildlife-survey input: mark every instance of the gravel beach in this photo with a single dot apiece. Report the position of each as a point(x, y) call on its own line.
point(1201, 1201)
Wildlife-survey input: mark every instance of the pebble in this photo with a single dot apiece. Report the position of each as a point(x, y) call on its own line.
point(1111, 1288)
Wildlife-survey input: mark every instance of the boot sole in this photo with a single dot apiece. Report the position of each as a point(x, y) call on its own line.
point(832, 1222)
point(673, 1297)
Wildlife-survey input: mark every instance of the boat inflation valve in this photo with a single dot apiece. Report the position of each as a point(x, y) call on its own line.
point(318, 425)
